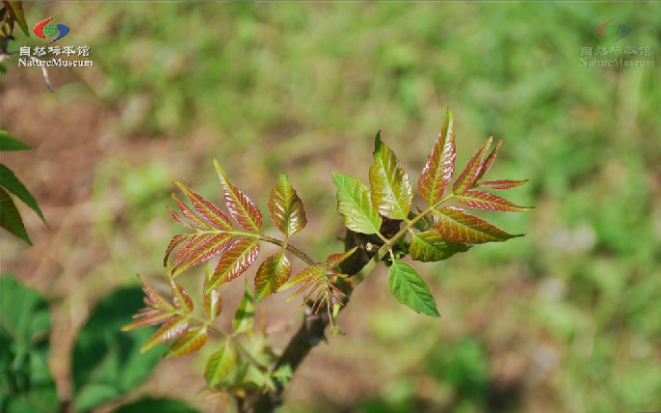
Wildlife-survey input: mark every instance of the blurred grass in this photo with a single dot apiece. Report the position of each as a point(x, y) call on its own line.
point(565, 319)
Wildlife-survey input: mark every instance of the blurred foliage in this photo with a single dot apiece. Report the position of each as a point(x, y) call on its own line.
point(289, 87)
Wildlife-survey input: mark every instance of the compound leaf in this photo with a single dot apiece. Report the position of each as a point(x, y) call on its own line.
point(457, 225)
point(392, 192)
point(438, 171)
point(431, 246)
point(472, 169)
point(271, 275)
point(489, 202)
point(192, 341)
point(207, 210)
point(202, 252)
point(219, 365)
point(234, 262)
point(242, 209)
point(355, 205)
point(286, 208)
point(501, 184)
point(410, 289)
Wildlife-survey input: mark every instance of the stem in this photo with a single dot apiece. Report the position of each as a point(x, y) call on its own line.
point(298, 253)
point(367, 269)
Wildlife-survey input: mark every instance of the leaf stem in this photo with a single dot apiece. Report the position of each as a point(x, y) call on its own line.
point(298, 253)
point(369, 267)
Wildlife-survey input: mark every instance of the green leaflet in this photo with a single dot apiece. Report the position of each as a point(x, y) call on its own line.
point(286, 208)
point(392, 192)
point(355, 205)
point(10, 219)
point(271, 275)
point(410, 289)
point(431, 246)
point(193, 340)
point(9, 143)
point(245, 313)
point(26, 385)
point(219, 365)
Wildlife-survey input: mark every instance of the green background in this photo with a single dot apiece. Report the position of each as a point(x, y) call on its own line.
point(566, 319)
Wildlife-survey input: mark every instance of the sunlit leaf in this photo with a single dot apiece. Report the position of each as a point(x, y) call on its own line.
point(219, 365)
point(10, 218)
point(168, 331)
point(178, 219)
point(174, 243)
point(180, 298)
point(9, 181)
point(489, 202)
point(354, 204)
point(307, 274)
point(501, 184)
point(392, 192)
point(244, 318)
point(206, 209)
point(203, 252)
point(410, 289)
point(189, 214)
point(334, 260)
point(240, 206)
point(440, 165)
point(234, 262)
point(431, 246)
point(457, 225)
point(271, 275)
point(9, 143)
point(286, 208)
point(192, 341)
point(488, 161)
point(472, 169)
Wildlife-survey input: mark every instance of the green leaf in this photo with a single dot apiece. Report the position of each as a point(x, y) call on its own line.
point(9, 181)
point(25, 381)
point(242, 208)
point(392, 192)
point(438, 171)
point(271, 275)
point(10, 218)
point(431, 246)
point(19, 15)
point(244, 319)
point(410, 289)
point(148, 405)
point(355, 205)
point(286, 208)
point(9, 143)
point(457, 225)
point(219, 365)
point(106, 363)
